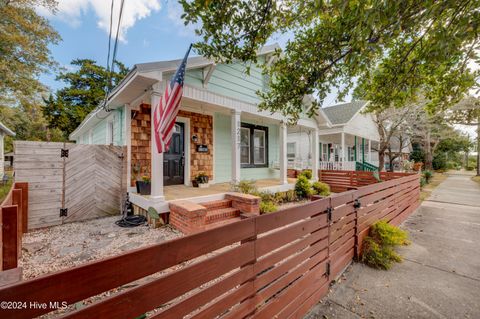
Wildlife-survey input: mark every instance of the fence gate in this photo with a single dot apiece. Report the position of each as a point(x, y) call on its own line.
point(70, 182)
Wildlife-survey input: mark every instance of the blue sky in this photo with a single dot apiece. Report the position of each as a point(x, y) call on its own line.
point(151, 30)
point(160, 35)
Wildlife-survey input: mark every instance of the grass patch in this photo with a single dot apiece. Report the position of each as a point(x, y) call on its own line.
point(476, 179)
point(378, 247)
point(4, 189)
point(435, 180)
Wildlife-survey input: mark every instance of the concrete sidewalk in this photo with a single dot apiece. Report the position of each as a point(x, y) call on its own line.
point(440, 274)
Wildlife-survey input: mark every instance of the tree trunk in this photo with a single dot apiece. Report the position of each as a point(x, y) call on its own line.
point(382, 150)
point(381, 160)
point(428, 153)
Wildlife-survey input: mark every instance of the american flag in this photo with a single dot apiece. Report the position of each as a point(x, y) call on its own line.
point(167, 109)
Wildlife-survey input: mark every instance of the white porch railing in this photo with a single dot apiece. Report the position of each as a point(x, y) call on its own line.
point(299, 164)
point(337, 166)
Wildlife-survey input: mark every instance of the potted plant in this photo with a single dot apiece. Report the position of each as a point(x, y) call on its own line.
point(202, 180)
point(144, 186)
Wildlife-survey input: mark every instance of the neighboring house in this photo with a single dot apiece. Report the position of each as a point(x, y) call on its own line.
point(219, 129)
point(346, 143)
point(4, 131)
point(399, 151)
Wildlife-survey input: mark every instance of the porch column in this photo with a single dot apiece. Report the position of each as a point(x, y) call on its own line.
point(235, 134)
point(283, 154)
point(363, 150)
point(128, 140)
point(356, 149)
point(370, 151)
point(156, 159)
point(343, 148)
point(315, 154)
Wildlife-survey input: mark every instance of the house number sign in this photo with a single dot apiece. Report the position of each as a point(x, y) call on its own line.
point(202, 148)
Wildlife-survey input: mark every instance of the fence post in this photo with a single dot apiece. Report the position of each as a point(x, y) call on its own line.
point(24, 212)
point(17, 200)
point(250, 301)
point(9, 237)
point(357, 244)
point(329, 224)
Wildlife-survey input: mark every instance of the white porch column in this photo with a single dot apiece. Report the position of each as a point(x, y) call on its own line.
point(343, 153)
point(370, 151)
point(128, 140)
point(315, 154)
point(235, 134)
point(283, 154)
point(155, 157)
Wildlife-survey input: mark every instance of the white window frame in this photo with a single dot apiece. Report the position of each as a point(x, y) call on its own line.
point(247, 146)
point(259, 147)
point(294, 150)
point(110, 129)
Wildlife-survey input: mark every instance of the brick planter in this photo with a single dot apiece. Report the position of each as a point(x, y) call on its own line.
point(188, 217)
point(245, 203)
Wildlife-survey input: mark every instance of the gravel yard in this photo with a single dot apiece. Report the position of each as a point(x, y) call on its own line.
point(64, 246)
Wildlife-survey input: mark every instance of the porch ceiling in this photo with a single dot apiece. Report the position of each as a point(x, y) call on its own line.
point(349, 139)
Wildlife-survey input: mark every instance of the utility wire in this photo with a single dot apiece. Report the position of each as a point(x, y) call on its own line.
point(111, 63)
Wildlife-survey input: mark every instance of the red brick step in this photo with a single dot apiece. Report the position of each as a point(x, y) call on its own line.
point(221, 214)
point(216, 204)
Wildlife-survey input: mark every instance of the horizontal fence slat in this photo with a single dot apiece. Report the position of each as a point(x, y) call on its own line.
point(206, 295)
point(284, 217)
point(267, 266)
point(283, 236)
point(159, 291)
point(83, 281)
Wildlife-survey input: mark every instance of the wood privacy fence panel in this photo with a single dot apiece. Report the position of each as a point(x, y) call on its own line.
point(272, 266)
point(40, 164)
point(89, 182)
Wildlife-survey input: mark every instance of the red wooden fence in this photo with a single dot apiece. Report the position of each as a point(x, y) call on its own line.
point(274, 265)
point(14, 218)
point(341, 181)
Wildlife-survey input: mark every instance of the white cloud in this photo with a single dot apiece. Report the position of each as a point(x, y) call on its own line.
point(72, 12)
point(174, 13)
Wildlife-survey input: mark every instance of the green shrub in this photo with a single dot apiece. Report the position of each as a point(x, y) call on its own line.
point(280, 197)
point(320, 188)
point(245, 187)
point(307, 173)
point(423, 182)
point(291, 196)
point(378, 247)
point(303, 188)
point(267, 207)
point(266, 196)
point(428, 176)
point(470, 168)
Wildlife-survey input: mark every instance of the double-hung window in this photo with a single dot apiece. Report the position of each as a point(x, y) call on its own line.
point(291, 150)
point(253, 145)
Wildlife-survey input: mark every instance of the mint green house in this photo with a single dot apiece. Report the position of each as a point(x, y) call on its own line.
point(219, 131)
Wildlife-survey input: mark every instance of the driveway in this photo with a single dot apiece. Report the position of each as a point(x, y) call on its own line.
point(440, 274)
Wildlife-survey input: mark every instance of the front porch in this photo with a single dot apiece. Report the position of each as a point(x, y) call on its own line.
point(215, 191)
point(175, 192)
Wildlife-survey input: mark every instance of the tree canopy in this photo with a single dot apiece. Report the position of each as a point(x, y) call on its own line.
point(85, 90)
point(24, 53)
point(391, 49)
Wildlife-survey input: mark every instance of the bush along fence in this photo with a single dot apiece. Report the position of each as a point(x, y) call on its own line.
point(14, 218)
point(273, 265)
